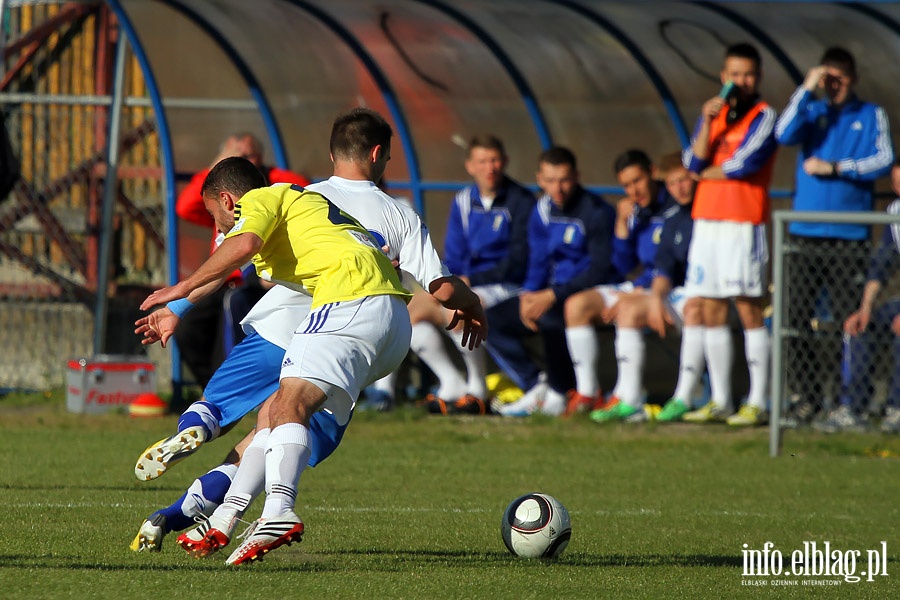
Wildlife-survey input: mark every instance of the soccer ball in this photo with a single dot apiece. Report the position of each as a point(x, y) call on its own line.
point(536, 526)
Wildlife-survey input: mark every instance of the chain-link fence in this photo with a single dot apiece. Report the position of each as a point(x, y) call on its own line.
point(55, 96)
point(819, 370)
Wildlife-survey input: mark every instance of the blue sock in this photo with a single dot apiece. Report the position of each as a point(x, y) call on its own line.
point(204, 414)
point(201, 498)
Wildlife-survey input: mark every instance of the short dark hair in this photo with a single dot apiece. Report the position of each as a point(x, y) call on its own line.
point(488, 142)
point(630, 158)
point(235, 175)
point(840, 58)
point(355, 133)
point(744, 50)
point(558, 155)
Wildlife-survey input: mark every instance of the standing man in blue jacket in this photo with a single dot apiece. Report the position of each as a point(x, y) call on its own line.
point(570, 249)
point(485, 246)
point(844, 147)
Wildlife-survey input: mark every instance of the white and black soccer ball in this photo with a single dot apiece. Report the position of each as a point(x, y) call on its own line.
point(536, 526)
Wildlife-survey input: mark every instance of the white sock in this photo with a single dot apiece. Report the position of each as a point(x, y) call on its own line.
point(476, 366)
point(287, 453)
point(584, 349)
point(428, 344)
point(630, 361)
point(249, 480)
point(719, 356)
point(756, 347)
point(691, 362)
point(387, 384)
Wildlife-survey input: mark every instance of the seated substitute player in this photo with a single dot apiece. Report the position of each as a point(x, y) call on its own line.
point(639, 220)
point(866, 331)
point(661, 303)
point(270, 326)
point(570, 235)
point(357, 329)
point(487, 233)
point(216, 318)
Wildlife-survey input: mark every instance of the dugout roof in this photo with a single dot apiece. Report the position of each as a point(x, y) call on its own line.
point(599, 77)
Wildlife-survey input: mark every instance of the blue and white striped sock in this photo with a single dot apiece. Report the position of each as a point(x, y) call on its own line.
point(204, 414)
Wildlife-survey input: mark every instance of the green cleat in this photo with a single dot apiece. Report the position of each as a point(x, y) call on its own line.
point(619, 412)
point(674, 409)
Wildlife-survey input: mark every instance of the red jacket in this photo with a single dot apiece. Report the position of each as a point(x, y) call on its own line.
point(190, 207)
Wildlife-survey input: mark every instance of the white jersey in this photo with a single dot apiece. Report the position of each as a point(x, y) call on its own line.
point(392, 223)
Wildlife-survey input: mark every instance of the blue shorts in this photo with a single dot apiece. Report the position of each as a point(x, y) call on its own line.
point(248, 377)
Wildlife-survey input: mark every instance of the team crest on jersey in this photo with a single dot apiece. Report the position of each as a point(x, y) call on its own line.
point(657, 233)
point(498, 222)
point(678, 238)
point(569, 235)
point(363, 238)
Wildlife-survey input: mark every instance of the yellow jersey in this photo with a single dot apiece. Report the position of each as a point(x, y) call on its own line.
point(309, 244)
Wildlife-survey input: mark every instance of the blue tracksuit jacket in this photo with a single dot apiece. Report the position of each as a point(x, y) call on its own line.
point(488, 245)
point(857, 137)
point(674, 241)
point(640, 247)
point(571, 248)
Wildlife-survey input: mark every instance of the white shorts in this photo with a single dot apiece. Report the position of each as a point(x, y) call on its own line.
point(494, 293)
point(347, 346)
point(727, 260)
point(611, 292)
point(675, 299)
point(675, 302)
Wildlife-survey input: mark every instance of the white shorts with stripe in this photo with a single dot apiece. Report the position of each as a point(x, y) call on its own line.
point(675, 300)
point(610, 292)
point(344, 346)
point(727, 260)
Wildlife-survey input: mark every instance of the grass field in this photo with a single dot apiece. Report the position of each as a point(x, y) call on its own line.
point(410, 506)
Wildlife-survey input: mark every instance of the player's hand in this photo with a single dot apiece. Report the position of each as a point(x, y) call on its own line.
point(857, 322)
point(895, 325)
point(161, 296)
point(817, 166)
point(712, 108)
point(533, 305)
point(624, 210)
point(158, 326)
point(475, 325)
point(658, 318)
point(814, 78)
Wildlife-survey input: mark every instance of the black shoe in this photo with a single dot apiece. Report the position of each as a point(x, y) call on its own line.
point(471, 405)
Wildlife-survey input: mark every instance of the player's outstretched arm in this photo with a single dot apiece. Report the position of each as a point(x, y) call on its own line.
point(233, 253)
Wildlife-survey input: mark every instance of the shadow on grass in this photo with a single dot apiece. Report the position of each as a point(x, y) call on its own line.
point(387, 561)
point(379, 560)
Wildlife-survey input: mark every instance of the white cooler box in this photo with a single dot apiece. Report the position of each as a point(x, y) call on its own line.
point(107, 382)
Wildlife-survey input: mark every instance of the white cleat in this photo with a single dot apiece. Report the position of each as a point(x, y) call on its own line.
point(264, 535)
point(155, 460)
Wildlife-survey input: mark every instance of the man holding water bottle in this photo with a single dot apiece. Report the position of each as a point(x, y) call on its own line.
point(731, 154)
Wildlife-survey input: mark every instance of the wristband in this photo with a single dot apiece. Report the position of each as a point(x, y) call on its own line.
point(180, 307)
point(834, 171)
